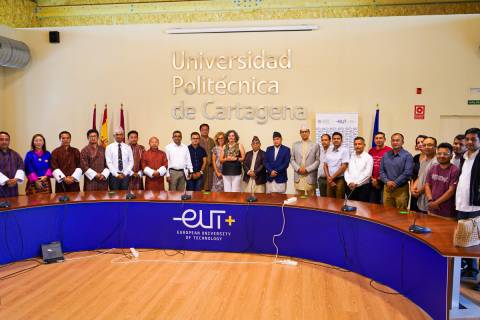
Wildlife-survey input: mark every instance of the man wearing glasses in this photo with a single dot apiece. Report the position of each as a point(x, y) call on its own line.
point(441, 183)
point(119, 158)
point(305, 160)
point(179, 163)
point(198, 157)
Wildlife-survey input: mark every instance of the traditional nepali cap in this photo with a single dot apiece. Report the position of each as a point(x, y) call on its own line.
point(276, 134)
point(255, 139)
point(304, 127)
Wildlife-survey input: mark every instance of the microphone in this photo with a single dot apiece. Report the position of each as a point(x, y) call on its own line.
point(130, 195)
point(63, 198)
point(304, 195)
point(345, 206)
point(418, 229)
point(185, 196)
point(251, 197)
point(4, 203)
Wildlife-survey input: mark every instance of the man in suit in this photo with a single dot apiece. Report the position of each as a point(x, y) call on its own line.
point(305, 160)
point(255, 176)
point(277, 159)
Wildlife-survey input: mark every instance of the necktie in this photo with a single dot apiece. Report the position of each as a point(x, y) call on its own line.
point(120, 160)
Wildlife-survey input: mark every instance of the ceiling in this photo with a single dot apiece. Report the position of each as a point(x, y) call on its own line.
point(97, 12)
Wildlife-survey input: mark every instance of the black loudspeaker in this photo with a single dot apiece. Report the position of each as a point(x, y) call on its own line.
point(54, 36)
point(52, 252)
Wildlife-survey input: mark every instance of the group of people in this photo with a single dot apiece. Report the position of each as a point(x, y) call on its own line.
point(443, 179)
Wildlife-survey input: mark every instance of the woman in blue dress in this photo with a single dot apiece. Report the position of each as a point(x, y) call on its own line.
point(37, 167)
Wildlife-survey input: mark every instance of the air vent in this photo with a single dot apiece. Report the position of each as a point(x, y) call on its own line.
point(13, 53)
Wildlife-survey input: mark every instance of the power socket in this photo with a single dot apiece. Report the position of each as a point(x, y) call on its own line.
point(290, 200)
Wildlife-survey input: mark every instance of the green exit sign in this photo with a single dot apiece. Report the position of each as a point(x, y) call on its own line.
point(472, 102)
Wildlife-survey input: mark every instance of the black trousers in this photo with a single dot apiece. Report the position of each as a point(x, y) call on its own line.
point(118, 184)
point(376, 195)
point(361, 193)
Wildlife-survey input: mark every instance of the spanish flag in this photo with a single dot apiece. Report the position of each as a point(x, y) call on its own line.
point(104, 131)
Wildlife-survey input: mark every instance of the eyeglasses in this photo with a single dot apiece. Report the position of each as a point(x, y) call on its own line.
point(446, 154)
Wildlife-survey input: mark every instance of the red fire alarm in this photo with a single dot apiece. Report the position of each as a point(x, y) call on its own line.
point(419, 112)
point(419, 90)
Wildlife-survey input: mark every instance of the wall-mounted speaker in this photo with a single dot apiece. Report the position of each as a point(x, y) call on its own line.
point(54, 36)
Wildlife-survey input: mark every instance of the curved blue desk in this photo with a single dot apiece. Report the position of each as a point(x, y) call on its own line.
point(374, 249)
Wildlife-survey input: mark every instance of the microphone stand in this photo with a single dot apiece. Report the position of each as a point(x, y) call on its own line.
point(345, 206)
point(186, 196)
point(64, 198)
point(251, 197)
point(414, 228)
point(130, 195)
point(4, 203)
point(304, 195)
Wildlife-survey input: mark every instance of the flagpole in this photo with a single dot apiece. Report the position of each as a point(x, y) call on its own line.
point(376, 125)
point(94, 121)
point(122, 121)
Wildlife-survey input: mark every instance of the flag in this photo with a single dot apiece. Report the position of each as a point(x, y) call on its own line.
point(94, 121)
point(104, 131)
point(122, 121)
point(375, 126)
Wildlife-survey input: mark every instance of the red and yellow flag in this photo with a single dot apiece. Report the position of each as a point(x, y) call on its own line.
point(104, 131)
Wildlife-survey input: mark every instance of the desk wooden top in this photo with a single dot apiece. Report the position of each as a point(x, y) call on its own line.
point(441, 237)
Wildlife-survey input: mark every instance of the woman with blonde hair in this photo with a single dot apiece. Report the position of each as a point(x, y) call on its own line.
point(231, 159)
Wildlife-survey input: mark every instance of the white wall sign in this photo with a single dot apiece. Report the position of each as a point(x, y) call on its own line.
point(345, 123)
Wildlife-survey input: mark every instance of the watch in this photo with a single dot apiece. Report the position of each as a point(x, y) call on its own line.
point(201, 172)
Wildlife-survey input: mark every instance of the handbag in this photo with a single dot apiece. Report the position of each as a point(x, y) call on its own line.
point(467, 233)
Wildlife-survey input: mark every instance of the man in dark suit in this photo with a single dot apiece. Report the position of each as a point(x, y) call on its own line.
point(255, 176)
point(277, 159)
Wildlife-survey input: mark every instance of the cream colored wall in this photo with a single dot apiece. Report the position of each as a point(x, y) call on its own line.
point(346, 65)
point(2, 106)
point(10, 33)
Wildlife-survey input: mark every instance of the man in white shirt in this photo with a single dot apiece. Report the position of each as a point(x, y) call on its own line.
point(359, 171)
point(324, 147)
point(336, 162)
point(179, 163)
point(467, 199)
point(119, 158)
